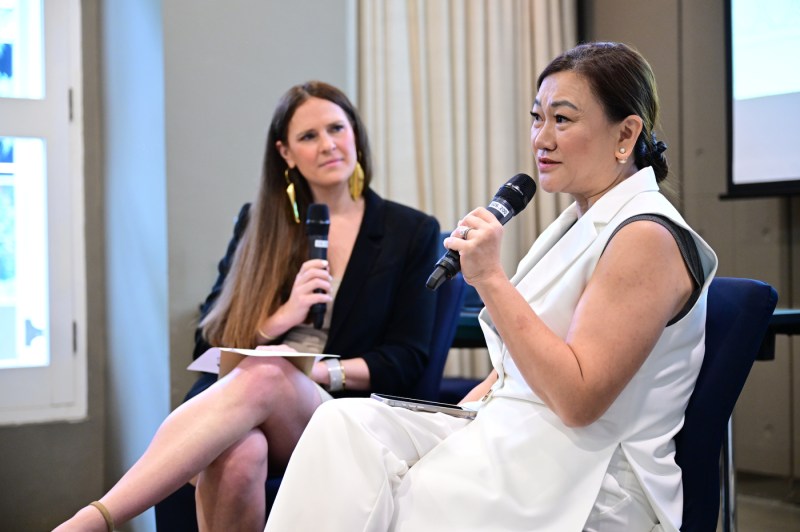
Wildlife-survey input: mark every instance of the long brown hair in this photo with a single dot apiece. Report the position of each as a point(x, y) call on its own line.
point(273, 246)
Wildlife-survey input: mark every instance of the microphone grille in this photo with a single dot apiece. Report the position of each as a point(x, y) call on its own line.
point(518, 191)
point(317, 219)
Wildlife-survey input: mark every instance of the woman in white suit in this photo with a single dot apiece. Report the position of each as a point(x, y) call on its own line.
point(596, 344)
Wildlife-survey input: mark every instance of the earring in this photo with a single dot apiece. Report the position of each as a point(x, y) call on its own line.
point(356, 182)
point(622, 160)
point(292, 198)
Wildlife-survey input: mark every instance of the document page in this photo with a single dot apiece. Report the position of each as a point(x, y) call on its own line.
point(226, 358)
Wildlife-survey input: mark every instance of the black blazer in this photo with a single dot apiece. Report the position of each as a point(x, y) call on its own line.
point(382, 312)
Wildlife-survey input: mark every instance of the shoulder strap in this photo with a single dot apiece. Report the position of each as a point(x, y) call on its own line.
point(688, 249)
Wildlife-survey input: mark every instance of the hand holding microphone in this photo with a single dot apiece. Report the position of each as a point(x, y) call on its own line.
point(510, 200)
point(477, 240)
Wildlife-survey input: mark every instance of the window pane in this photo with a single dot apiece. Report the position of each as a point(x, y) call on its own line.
point(24, 311)
point(21, 49)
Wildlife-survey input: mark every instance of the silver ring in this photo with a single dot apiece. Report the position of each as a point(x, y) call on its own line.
point(465, 232)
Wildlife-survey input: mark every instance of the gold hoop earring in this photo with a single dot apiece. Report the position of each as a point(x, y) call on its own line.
point(292, 197)
point(356, 182)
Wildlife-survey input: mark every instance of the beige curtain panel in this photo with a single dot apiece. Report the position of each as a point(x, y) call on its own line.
point(445, 88)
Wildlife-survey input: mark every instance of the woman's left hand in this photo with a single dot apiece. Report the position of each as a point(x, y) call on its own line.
point(477, 240)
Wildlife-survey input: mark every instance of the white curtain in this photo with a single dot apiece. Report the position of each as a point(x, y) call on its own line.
point(445, 88)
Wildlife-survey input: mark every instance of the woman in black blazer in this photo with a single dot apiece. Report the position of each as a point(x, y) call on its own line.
point(379, 319)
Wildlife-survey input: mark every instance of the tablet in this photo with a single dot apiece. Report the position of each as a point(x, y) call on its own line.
point(420, 405)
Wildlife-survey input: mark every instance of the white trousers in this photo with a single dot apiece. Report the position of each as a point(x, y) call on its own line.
point(350, 463)
point(353, 470)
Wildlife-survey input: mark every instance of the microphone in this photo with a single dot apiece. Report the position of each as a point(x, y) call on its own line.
point(317, 224)
point(509, 201)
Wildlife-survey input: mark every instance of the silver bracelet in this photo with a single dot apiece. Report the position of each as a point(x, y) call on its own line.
point(336, 374)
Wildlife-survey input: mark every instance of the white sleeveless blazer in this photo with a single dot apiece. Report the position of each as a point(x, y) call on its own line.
point(649, 411)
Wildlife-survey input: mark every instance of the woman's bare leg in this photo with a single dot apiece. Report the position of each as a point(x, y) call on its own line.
point(233, 472)
point(199, 431)
point(230, 492)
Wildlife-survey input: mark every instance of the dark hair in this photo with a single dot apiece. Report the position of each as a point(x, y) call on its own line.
point(273, 246)
point(625, 85)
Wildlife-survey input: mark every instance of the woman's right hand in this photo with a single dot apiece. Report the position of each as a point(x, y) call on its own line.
point(313, 275)
point(479, 252)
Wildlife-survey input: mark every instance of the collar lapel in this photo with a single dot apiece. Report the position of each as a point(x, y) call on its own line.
point(556, 249)
point(365, 253)
point(530, 271)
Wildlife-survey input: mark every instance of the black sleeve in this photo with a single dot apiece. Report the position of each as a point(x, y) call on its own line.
point(397, 360)
point(201, 345)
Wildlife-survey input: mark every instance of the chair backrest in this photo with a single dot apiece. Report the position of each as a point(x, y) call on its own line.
point(738, 315)
point(449, 297)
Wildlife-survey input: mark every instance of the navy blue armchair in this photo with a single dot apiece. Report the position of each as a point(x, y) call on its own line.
point(739, 311)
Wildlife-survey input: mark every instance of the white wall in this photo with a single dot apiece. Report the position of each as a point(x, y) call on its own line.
point(137, 393)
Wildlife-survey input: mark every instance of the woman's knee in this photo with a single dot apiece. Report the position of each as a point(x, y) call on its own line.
point(345, 412)
point(262, 380)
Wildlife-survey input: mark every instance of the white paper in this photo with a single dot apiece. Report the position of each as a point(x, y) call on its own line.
point(209, 361)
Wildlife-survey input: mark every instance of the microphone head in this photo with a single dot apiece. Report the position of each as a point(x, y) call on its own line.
point(518, 191)
point(318, 219)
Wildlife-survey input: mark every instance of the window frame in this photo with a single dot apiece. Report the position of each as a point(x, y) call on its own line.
point(58, 391)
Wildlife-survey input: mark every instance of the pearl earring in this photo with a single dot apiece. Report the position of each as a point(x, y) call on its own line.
point(622, 150)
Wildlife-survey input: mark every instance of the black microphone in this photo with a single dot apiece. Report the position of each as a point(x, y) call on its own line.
point(318, 222)
point(509, 201)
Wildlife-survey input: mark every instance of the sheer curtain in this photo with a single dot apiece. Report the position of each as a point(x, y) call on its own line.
point(445, 88)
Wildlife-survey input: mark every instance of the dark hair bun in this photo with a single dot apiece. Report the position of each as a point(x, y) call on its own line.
point(652, 154)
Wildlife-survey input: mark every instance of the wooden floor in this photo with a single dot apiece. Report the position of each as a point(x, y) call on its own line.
point(767, 504)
